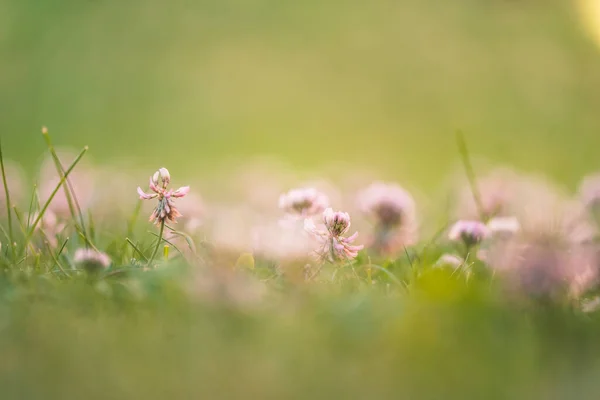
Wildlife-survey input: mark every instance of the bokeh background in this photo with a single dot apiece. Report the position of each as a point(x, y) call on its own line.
point(204, 85)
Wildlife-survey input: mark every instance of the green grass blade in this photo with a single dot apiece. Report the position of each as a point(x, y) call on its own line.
point(136, 249)
point(8, 205)
point(56, 189)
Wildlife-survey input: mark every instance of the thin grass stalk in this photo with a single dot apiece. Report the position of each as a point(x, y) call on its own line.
point(8, 212)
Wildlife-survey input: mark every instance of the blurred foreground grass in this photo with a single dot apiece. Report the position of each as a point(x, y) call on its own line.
point(199, 84)
point(69, 340)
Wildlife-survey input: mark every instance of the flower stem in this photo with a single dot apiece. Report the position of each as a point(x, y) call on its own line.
point(160, 238)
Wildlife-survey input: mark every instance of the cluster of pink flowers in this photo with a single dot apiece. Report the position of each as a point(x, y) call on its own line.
point(522, 226)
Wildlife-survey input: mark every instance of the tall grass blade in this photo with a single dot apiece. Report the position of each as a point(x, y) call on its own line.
point(8, 205)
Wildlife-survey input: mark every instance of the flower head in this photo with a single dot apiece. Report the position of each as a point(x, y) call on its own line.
point(389, 204)
point(91, 260)
point(336, 222)
point(469, 232)
point(304, 202)
point(334, 246)
point(165, 210)
point(393, 210)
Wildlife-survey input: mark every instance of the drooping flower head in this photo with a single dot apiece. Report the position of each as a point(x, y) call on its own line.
point(334, 246)
point(91, 260)
point(304, 202)
point(468, 232)
point(165, 210)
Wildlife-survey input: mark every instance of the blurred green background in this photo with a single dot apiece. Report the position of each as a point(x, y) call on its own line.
point(198, 85)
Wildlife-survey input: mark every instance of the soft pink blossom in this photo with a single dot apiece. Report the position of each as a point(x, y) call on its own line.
point(334, 246)
point(91, 260)
point(392, 209)
point(469, 232)
point(305, 202)
point(165, 210)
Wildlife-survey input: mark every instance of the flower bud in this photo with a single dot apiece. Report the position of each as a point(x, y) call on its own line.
point(162, 177)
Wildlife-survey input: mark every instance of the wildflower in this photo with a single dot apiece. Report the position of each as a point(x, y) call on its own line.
point(393, 210)
point(305, 202)
point(335, 247)
point(390, 204)
point(91, 260)
point(165, 210)
point(469, 232)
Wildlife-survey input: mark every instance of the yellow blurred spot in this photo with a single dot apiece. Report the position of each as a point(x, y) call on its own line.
point(590, 13)
point(246, 260)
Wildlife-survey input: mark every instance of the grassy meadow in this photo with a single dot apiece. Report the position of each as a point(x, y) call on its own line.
point(483, 287)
